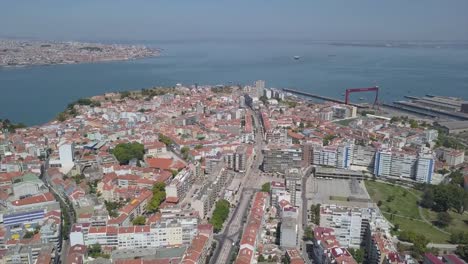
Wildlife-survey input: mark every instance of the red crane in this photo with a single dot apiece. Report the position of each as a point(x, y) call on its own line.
point(358, 90)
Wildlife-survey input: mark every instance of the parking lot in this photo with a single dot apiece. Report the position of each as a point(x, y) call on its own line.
point(336, 191)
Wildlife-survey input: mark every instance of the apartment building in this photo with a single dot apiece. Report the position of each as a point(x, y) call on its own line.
point(380, 249)
point(400, 164)
point(289, 233)
point(252, 232)
point(350, 223)
point(326, 249)
point(282, 158)
point(293, 183)
point(454, 157)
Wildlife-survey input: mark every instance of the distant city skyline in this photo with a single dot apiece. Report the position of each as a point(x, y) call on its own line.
point(167, 20)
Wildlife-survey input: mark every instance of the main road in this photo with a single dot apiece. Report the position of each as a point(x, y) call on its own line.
point(251, 183)
point(65, 206)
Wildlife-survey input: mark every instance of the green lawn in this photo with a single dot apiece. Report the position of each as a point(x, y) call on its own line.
point(401, 200)
point(403, 204)
point(420, 227)
point(338, 198)
point(345, 122)
point(458, 224)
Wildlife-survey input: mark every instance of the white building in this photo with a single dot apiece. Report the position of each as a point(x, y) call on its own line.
point(350, 223)
point(454, 157)
point(419, 167)
point(67, 156)
point(289, 229)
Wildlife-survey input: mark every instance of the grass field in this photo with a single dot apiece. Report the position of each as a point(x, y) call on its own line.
point(403, 205)
point(459, 221)
point(338, 198)
point(394, 199)
point(345, 122)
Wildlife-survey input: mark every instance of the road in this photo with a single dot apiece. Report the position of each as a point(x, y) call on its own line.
point(64, 202)
point(303, 210)
point(232, 231)
point(230, 235)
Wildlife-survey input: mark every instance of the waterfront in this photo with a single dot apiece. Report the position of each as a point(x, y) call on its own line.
point(34, 95)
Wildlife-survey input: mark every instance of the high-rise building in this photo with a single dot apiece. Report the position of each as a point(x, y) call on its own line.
point(281, 158)
point(67, 155)
point(419, 167)
point(424, 168)
point(289, 228)
point(293, 182)
point(258, 89)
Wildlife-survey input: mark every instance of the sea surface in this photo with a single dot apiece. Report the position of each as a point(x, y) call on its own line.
point(34, 95)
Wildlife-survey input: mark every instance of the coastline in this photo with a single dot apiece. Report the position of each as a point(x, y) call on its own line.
point(24, 66)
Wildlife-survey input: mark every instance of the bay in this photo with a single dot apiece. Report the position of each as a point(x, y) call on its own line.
point(34, 95)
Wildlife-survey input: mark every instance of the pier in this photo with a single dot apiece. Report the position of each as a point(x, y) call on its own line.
point(321, 97)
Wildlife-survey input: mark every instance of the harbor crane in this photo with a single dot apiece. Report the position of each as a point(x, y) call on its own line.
point(359, 90)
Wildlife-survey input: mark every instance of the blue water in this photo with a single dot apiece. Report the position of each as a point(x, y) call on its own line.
point(35, 95)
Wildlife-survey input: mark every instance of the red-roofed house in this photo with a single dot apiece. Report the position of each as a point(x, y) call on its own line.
point(44, 199)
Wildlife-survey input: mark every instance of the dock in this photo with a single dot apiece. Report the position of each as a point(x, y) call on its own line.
point(321, 97)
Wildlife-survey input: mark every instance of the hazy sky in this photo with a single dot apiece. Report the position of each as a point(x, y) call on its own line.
point(288, 19)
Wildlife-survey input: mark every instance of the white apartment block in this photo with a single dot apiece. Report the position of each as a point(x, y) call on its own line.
point(454, 157)
point(419, 167)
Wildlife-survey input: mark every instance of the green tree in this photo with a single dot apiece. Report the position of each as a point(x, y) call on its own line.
point(139, 220)
point(28, 234)
point(358, 254)
point(266, 187)
point(185, 151)
point(198, 146)
point(220, 214)
point(61, 117)
point(443, 219)
point(308, 234)
point(462, 251)
point(95, 250)
point(112, 207)
point(413, 123)
point(124, 152)
point(159, 195)
point(164, 139)
point(459, 238)
point(124, 94)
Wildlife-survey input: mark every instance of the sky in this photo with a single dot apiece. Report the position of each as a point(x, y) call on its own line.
point(235, 19)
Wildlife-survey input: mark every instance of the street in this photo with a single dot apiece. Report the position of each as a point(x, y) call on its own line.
point(250, 184)
point(63, 203)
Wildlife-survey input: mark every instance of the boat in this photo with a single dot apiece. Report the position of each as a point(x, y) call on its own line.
point(361, 98)
point(297, 57)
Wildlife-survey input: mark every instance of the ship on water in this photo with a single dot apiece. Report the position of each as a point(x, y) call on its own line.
point(297, 57)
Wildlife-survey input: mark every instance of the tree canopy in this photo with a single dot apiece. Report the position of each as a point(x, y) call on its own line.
point(9, 126)
point(164, 139)
point(220, 214)
point(358, 254)
point(139, 220)
point(266, 187)
point(124, 152)
point(159, 195)
point(443, 197)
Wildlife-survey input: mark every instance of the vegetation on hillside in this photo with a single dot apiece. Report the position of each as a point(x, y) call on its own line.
point(6, 124)
point(70, 111)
